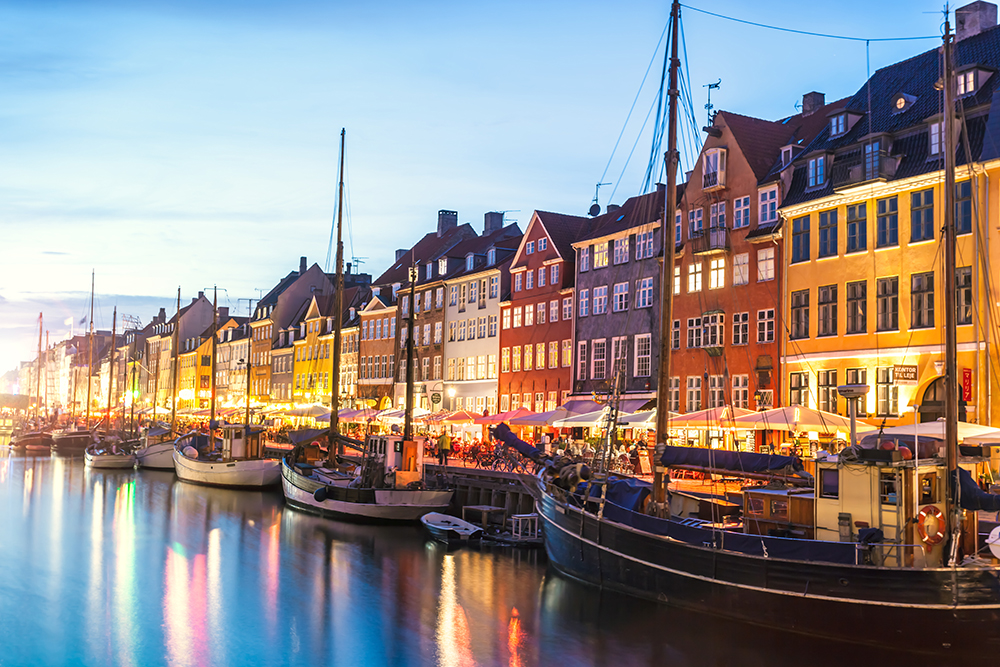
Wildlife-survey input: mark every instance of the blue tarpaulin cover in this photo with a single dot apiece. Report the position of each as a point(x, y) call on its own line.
point(974, 498)
point(503, 433)
point(627, 493)
point(727, 460)
point(307, 435)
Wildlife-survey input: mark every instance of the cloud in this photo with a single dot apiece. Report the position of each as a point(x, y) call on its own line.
point(53, 252)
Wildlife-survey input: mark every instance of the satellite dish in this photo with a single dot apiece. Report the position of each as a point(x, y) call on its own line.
point(994, 541)
point(595, 210)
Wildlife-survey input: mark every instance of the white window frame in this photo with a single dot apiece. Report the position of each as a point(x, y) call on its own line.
point(768, 198)
point(765, 264)
point(643, 355)
point(741, 269)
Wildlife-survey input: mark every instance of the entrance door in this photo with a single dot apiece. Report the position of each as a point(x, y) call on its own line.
point(932, 403)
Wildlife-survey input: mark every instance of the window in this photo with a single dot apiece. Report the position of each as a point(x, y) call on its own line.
point(717, 273)
point(644, 245)
point(677, 280)
point(416, 304)
point(529, 357)
point(765, 326)
point(800, 239)
point(427, 334)
point(716, 391)
point(599, 349)
point(717, 216)
point(567, 353)
point(935, 133)
point(619, 353)
point(695, 223)
point(857, 376)
point(600, 300)
point(966, 82)
point(887, 223)
point(816, 171)
point(798, 389)
point(694, 332)
point(506, 318)
point(675, 341)
point(540, 355)
point(643, 355)
point(768, 206)
point(741, 212)
point(581, 360)
point(921, 300)
point(827, 385)
point(741, 328)
point(554, 310)
point(713, 325)
point(482, 327)
point(493, 325)
point(584, 302)
point(600, 255)
point(714, 169)
point(741, 269)
point(437, 368)
point(567, 311)
point(741, 391)
point(694, 277)
point(857, 307)
point(438, 332)
point(405, 306)
point(620, 296)
point(540, 313)
point(518, 278)
point(553, 354)
point(921, 216)
point(517, 319)
point(453, 295)
point(674, 397)
point(621, 251)
point(886, 392)
point(963, 207)
point(677, 229)
point(542, 273)
point(515, 358)
point(439, 297)
point(887, 303)
point(838, 125)
point(963, 295)
point(827, 300)
point(828, 233)
point(529, 316)
point(543, 243)
point(693, 403)
point(644, 293)
point(872, 159)
point(529, 281)
point(504, 361)
point(800, 314)
point(857, 228)
point(585, 259)
point(494, 287)
point(529, 248)
point(765, 264)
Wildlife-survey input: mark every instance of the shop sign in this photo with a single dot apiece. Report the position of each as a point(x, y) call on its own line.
point(436, 397)
point(966, 384)
point(904, 374)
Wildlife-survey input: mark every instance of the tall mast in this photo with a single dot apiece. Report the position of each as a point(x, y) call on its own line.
point(215, 333)
point(173, 380)
point(408, 419)
point(948, 277)
point(667, 272)
point(90, 344)
point(131, 387)
point(338, 305)
point(45, 367)
point(38, 369)
point(111, 366)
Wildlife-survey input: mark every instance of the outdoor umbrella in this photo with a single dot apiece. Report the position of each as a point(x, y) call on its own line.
point(646, 418)
point(504, 416)
point(589, 419)
point(720, 417)
point(798, 418)
point(541, 418)
point(460, 417)
point(966, 432)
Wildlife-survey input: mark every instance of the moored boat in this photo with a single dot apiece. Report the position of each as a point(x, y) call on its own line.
point(72, 440)
point(156, 449)
point(236, 463)
point(449, 529)
point(109, 454)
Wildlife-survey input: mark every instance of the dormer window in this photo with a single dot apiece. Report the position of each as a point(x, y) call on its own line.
point(786, 156)
point(395, 289)
point(529, 248)
point(966, 83)
point(935, 135)
point(714, 171)
point(429, 272)
point(838, 125)
point(816, 171)
point(470, 262)
point(491, 256)
point(443, 266)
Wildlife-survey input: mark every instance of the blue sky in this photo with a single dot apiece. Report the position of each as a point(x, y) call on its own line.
point(192, 144)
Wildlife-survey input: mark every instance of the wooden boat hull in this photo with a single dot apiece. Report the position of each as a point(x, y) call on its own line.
point(32, 442)
point(246, 473)
point(389, 505)
point(450, 530)
point(910, 608)
point(158, 456)
point(76, 441)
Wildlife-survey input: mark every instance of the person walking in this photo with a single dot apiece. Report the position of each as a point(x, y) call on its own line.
point(444, 448)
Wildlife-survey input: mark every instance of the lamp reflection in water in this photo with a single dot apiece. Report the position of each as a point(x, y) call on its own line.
point(515, 638)
point(29, 479)
point(95, 587)
point(271, 547)
point(184, 612)
point(124, 586)
point(453, 642)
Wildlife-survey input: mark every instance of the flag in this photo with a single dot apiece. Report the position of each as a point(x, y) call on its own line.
point(68, 321)
point(82, 320)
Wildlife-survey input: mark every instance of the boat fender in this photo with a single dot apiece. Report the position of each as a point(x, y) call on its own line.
point(190, 452)
point(931, 525)
point(320, 494)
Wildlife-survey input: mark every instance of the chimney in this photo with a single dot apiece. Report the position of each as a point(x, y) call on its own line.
point(974, 19)
point(223, 312)
point(446, 220)
point(812, 102)
point(162, 317)
point(494, 222)
point(400, 253)
point(613, 207)
point(347, 271)
point(302, 265)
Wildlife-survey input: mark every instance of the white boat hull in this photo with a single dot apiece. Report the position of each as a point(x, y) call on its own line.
point(159, 455)
point(108, 461)
point(246, 473)
point(381, 505)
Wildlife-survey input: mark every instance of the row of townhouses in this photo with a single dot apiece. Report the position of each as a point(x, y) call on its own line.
point(807, 255)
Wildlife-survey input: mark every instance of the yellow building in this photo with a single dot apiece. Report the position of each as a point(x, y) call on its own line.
point(862, 217)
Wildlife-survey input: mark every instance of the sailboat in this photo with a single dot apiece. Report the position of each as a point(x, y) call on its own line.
point(32, 436)
point(388, 484)
point(235, 460)
point(75, 439)
point(839, 575)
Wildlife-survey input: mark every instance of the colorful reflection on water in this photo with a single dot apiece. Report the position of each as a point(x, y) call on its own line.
point(138, 569)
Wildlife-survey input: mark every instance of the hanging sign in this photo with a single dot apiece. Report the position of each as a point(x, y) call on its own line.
point(966, 384)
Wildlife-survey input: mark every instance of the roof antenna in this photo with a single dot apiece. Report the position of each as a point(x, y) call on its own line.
point(709, 107)
point(595, 207)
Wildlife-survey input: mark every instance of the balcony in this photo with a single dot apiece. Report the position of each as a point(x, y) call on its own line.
point(712, 181)
point(855, 169)
point(710, 241)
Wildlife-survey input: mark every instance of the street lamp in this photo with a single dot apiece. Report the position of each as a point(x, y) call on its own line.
point(451, 395)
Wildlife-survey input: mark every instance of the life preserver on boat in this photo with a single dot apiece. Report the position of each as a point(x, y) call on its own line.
point(931, 525)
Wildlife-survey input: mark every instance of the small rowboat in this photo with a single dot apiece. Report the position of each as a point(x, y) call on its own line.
point(109, 455)
point(450, 529)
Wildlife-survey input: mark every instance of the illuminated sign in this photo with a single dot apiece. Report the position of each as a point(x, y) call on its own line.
point(903, 374)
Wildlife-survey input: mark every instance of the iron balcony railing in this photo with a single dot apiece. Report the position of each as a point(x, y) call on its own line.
point(860, 167)
point(713, 239)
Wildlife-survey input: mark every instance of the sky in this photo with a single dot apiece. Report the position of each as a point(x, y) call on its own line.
point(195, 143)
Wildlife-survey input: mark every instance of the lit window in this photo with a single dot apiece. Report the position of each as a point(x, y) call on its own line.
point(600, 255)
point(717, 273)
point(694, 277)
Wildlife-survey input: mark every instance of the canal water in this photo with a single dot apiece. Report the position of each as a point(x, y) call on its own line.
point(135, 568)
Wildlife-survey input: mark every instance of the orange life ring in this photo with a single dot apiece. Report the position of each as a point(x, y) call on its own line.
point(936, 532)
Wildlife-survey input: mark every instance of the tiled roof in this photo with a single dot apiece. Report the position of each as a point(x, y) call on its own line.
point(508, 237)
point(564, 230)
point(636, 211)
point(760, 140)
point(427, 249)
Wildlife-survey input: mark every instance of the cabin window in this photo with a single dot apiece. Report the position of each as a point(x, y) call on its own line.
point(928, 488)
point(887, 490)
point(755, 506)
point(779, 509)
point(829, 483)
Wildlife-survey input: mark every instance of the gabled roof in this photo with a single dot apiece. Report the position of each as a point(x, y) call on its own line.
point(636, 211)
point(562, 230)
point(508, 237)
point(427, 249)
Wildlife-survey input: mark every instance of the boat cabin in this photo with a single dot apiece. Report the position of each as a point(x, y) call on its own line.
point(400, 458)
point(239, 442)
